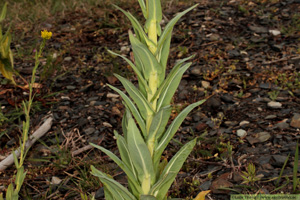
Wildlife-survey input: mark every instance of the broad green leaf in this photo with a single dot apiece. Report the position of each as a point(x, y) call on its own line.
point(20, 178)
point(10, 191)
point(143, 7)
point(143, 55)
point(132, 108)
point(173, 168)
point(144, 107)
point(170, 77)
point(170, 88)
point(155, 190)
point(138, 29)
point(169, 27)
point(148, 197)
point(3, 12)
point(115, 188)
point(108, 195)
point(129, 173)
point(141, 156)
point(133, 190)
point(125, 155)
point(164, 52)
point(124, 121)
point(135, 69)
point(168, 135)
point(158, 126)
point(154, 15)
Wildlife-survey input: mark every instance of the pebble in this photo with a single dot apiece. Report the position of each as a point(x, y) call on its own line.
point(279, 160)
point(274, 104)
point(111, 95)
point(206, 185)
point(89, 130)
point(270, 117)
point(258, 29)
point(242, 123)
point(205, 84)
point(275, 32)
point(263, 136)
point(264, 159)
point(282, 125)
point(55, 180)
point(196, 70)
point(106, 124)
point(227, 98)
point(265, 85)
point(241, 133)
point(71, 87)
point(65, 98)
point(67, 59)
point(295, 121)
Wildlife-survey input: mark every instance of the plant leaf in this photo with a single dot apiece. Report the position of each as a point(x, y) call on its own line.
point(129, 173)
point(201, 195)
point(135, 69)
point(169, 27)
point(132, 108)
point(116, 189)
point(148, 197)
point(168, 135)
point(158, 126)
point(154, 14)
point(173, 168)
point(125, 155)
point(140, 155)
point(144, 107)
point(3, 12)
point(170, 88)
point(170, 77)
point(138, 29)
point(148, 62)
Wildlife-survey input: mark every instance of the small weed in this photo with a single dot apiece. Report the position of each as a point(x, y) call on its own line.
point(273, 94)
point(250, 175)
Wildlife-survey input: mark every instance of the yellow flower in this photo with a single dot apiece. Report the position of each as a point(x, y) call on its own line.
point(46, 35)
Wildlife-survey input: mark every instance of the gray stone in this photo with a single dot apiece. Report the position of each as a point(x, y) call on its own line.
point(263, 136)
point(241, 133)
point(67, 59)
point(205, 84)
point(295, 121)
point(265, 85)
point(274, 104)
point(89, 130)
point(282, 125)
point(196, 70)
point(258, 29)
point(264, 159)
point(71, 87)
point(242, 123)
point(206, 185)
point(275, 32)
point(279, 160)
point(270, 117)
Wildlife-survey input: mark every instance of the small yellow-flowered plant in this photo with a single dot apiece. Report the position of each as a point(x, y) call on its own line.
point(46, 34)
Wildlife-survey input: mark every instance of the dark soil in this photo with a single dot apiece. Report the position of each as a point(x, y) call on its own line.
point(247, 59)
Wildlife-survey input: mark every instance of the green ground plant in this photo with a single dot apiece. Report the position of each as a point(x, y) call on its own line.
point(13, 190)
point(6, 56)
point(141, 147)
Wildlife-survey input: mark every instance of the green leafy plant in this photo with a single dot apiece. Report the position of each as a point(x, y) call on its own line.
point(13, 191)
point(6, 56)
point(141, 146)
point(250, 175)
point(273, 94)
